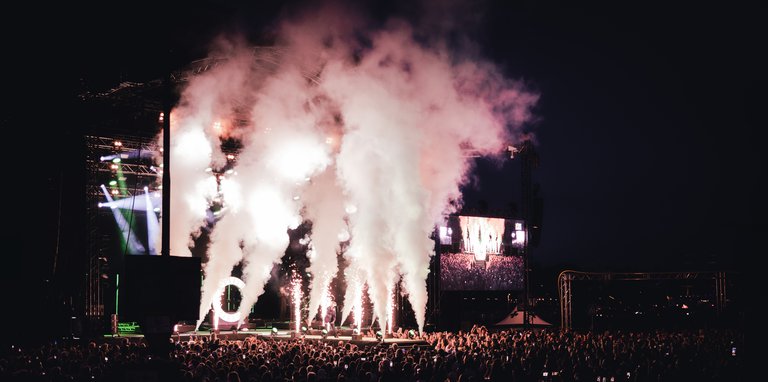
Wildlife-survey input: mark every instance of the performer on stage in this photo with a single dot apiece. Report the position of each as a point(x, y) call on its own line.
point(330, 319)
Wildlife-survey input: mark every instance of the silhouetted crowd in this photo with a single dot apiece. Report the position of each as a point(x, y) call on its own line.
point(458, 271)
point(508, 355)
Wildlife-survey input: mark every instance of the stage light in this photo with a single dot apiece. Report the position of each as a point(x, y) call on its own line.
point(208, 169)
point(116, 160)
point(379, 335)
point(274, 331)
point(356, 331)
point(125, 227)
point(230, 156)
point(153, 228)
point(512, 151)
point(113, 166)
point(411, 334)
point(156, 209)
point(324, 333)
point(161, 117)
point(304, 330)
point(118, 143)
point(446, 235)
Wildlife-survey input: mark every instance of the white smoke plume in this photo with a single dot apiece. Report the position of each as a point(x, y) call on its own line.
point(324, 206)
point(279, 153)
point(225, 251)
point(196, 127)
point(404, 153)
point(378, 121)
point(194, 148)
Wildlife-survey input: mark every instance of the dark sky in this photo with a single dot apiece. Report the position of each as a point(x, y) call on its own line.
point(649, 126)
point(649, 130)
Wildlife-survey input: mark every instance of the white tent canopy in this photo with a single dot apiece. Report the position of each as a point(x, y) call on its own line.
point(515, 318)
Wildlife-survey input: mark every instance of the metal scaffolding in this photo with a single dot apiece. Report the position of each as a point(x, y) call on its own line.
point(98, 238)
point(565, 289)
point(127, 107)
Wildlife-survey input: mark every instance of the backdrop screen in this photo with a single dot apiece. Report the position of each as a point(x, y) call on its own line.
point(482, 254)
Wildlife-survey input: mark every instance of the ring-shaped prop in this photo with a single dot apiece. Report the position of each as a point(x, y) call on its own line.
point(220, 312)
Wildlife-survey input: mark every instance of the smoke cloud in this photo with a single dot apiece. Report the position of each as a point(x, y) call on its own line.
point(324, 201)
point(341, 115)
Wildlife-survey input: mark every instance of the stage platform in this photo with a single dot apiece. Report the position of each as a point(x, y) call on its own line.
point(280, 335)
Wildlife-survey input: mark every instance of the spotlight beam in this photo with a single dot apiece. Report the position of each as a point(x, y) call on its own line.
point(153, 226)
point(125, 229)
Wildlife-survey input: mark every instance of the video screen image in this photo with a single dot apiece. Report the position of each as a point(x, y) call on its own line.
point(488, 254)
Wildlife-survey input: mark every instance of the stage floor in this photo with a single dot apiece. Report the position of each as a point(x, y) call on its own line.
point(281, 335)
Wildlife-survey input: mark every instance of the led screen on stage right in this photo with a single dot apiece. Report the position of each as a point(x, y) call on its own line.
point(484, 255)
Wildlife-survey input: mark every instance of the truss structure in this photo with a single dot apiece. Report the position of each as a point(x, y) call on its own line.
point(99, 171)
point(565, 289)
point(149, 96)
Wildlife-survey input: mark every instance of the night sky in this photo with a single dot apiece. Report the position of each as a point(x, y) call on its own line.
point(649, 127)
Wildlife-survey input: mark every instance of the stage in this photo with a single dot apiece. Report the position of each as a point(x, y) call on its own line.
point(279, 335)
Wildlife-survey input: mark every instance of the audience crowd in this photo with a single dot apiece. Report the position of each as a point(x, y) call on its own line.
point(459, 271)
point(475, 355)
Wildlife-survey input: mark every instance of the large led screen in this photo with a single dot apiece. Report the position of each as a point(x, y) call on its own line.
point(487, 254)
